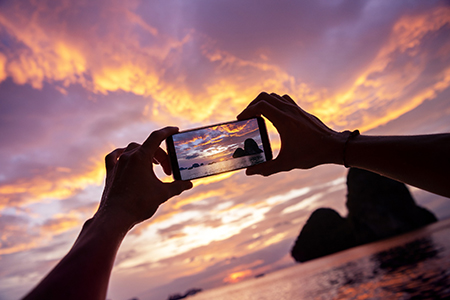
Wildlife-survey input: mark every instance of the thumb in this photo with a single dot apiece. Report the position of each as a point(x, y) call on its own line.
point(178, 186)
point(265, 169)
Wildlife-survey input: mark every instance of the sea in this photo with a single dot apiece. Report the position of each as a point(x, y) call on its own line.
point(222, 166)
point(415, 265)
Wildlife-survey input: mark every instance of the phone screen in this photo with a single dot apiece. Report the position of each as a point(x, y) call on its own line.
point(218, 148)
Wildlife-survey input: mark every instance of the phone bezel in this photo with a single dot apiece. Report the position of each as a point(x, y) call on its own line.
point(173, 157)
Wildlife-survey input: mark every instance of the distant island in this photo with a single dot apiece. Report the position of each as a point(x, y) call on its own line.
point(195, 165)
point(378, 208)
point(189, 292)
point(250, 148)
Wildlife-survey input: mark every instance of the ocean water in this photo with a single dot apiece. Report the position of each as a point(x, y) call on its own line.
point(415, 265)
point(222, 166)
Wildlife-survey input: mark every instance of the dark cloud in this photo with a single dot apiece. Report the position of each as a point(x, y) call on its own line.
point(195, 155)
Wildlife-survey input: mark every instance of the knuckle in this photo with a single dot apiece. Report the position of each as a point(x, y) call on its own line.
point(263, 95)
point(132, 145)
point(108, 157)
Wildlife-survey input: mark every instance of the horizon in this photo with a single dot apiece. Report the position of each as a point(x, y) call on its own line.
point(79, 79)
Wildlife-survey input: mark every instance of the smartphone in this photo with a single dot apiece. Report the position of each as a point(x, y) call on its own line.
point(218, 148)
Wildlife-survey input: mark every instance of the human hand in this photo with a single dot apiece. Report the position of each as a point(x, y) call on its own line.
point(132, 191)
point(305, 140)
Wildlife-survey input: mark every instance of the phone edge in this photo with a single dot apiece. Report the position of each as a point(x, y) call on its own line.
point(173, 158)
point(265, 138)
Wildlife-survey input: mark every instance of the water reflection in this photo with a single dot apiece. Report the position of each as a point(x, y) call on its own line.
point(408, 255)
point(414, 267)
point(411, 271)
point(408, 270)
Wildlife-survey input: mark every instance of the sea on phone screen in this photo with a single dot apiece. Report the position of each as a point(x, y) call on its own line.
point(222, 166)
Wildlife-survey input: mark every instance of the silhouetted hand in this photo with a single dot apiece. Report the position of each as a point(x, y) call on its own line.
point(305, 141)
point(132, 190)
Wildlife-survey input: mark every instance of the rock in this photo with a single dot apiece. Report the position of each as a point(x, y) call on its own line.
point(324, 233)
point(378, 208)
point(188, 293)
point(239, 152)
point(250, 148)
point(176, 297)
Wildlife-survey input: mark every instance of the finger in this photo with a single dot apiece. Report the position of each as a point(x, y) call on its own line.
point(283, 99)
point(258, 98)
point(162, 159)
point(265, 169)
point(156, 137)
point(275, 115)
point(111, 159)
point(288, 98)
point(268, 168)
point(131, 146)
point(178, 186)
point(263, 96)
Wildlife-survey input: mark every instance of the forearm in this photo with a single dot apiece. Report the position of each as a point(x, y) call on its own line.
point(422, 161)
point(84, 272)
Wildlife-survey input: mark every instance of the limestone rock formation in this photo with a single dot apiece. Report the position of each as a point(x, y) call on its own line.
point(378, 207)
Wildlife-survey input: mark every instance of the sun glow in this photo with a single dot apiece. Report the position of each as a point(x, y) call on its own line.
point(238, 276)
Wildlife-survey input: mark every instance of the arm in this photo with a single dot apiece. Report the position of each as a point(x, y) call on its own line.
point(421, 161)
point(132, 194)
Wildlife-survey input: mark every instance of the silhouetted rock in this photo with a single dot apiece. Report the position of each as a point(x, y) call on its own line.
point(381, 207)
point(195, 165)
point(188, 293)
point(239, 152)
point(378, 207)
point(250, 148)
point(325, 232)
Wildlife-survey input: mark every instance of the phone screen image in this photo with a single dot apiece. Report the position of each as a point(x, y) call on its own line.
point(219, 148)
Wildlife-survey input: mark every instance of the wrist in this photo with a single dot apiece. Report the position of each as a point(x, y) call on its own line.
point(336, 148)
point(351, 135)
point(111, 223)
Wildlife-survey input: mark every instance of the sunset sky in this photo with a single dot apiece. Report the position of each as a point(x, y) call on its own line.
point(81, 78)
point(214, 144)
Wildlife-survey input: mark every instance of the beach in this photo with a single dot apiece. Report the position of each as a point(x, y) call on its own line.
point(415, 265)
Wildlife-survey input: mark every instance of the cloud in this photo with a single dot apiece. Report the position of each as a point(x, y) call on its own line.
point(17, 234)
point(60, 224)
point(192, 74)
point(195, 155)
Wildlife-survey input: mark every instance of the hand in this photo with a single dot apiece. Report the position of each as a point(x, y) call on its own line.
point(132, 191)
point(305, 141)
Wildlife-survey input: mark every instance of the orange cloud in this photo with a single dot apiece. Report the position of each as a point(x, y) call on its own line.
point(55, 184)
point(60, 223)
point(53, 56)
point(384, 88)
